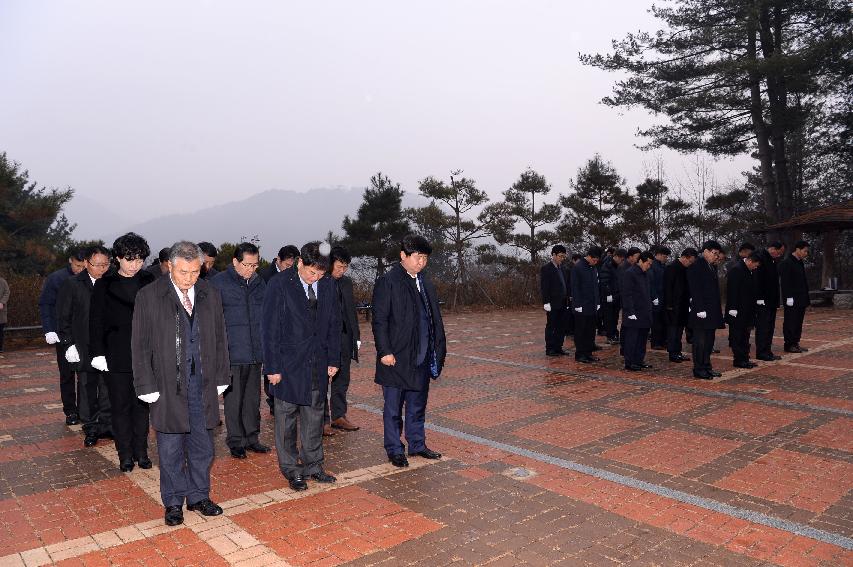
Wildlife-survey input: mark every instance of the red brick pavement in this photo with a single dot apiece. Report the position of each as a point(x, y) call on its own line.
point(672, 452)
point(179, 547)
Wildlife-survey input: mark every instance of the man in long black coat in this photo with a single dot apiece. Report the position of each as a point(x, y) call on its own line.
point(586, 303)
point(706, 313)
point(301, 330)
point(610, 293)
point(631, 258)
point(72, 314)
point(795, 292)
point(410, 348)
point(741, 291)
point(767, 301)
point(637, 310)
point(677, 302)
point(658, 330)
point(555, 300)
point(180, 368)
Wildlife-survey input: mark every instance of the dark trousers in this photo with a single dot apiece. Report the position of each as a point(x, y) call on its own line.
point(270, 398)
point(570, 322)
point(658, 330)
point(555, 328)
point(765, 326)
point(703, 345)
point(340, 383)
point(415, 402)
point(673, 339)
point(584, 335)
point(610, 316)
point(129, 416)
point(792, 326)
point(95, 404)
point(310, 429)
point(739, 341)
point(70, 383)
point(2, 334)
point(635, 344)
point(186, 458)
point(243, 406)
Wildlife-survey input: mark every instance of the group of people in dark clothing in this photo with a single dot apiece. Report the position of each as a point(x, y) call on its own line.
point(659, 302)
point(158, 346)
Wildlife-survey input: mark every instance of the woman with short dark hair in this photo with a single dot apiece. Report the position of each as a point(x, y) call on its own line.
point(110, 321)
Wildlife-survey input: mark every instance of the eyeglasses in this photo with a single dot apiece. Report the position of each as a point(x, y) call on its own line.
point(252, 266)
point(107, 265)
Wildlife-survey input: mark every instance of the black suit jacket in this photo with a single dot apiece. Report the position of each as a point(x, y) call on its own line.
point(704, 295)
point(72, 317)
point(555, 290)
point(396, 327)
point(636, 299)
point(767, 280)
point(585, 288)
point(268, 272)
point(349, 316)
point(741, 291)
point(792, 276)
point(675, 294)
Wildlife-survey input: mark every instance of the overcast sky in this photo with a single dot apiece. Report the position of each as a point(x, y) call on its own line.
point(161, 107)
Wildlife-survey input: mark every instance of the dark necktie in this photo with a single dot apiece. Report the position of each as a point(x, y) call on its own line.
point(312, 298)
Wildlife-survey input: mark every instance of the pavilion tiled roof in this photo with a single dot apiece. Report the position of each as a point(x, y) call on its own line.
point(833, 217)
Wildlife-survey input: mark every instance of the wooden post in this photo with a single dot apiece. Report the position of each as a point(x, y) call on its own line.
point(830, 239)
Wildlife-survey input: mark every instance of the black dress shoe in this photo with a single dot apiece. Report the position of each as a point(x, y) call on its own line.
point(552, 353)
point(802, 348)
point(90, 440)
point(174, 515)
point(126, 465)
point(766, 357)
point(715, 374)
point(72, 419)
point(716, 351)
point(633, 368)
point(206, 507)
point(426, 453)
point(744, 365)
point(646, 366)
point(144, 462)
point(702, 376)
point(793, 349)
point(398, 460)
point(238, 453)
point(676, 359)
point(596, 347)
point(258, 448)
point(324, 477)
point(297, 482)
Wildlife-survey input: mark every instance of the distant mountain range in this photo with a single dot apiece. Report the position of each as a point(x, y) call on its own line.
point(276, 217)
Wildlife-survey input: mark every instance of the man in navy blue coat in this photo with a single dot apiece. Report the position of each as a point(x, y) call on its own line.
point(69, 380)
point(555, 301)
point(706, 312)
point(741, 292)
point(242, 293)
point(301, 334)
point(410, 348)
point(585, 303)
point(637, 313)
point(658, 330)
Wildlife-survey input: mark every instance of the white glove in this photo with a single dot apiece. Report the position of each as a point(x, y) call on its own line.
point(701, 314)
point(632, 317)
point(733, 312)
point(759, 302)
point(609, 299)
point(220, 389)
point(150, 398)
point(597, 307)
point(655, 302)
point(71, 355)
point(789, 302)
point(51, 338)
point(579, 309)
point(100, 363)
point(357, 345)
point(547, 307)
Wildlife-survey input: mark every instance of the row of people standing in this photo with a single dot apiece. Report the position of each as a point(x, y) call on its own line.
point(662, 301)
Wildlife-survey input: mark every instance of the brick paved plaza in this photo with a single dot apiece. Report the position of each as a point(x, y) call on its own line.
point(545, 462)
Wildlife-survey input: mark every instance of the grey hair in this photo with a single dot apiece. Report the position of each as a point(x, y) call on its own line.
point(185, 250)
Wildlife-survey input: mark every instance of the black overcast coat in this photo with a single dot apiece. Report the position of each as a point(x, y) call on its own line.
point(636, 299)
point(72, 317)
point(767, 280)
point(704, 288)
point(396, 327)
point(741, 291)
point(554, 288)
point(792, 277)
point(585, 287)
point(675, 294)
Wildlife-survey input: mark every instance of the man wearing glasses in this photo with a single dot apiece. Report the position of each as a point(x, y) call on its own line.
point(706, 311)
point(72, 315)
point(243, 291)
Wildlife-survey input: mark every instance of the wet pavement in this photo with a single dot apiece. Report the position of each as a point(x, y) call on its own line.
point(546, 462)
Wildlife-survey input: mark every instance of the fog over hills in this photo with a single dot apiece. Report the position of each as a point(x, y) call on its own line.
point(276, 216)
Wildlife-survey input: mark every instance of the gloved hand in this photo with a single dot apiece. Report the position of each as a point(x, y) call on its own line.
point(789, 302)
point(579, 309)
point(358, 345)
point(547, 307)
point(733, 312)
point(100, 363)
point(632, 317)
point(51, 338)
point(220, 389)
point(609, 299)
point(150, 398)
point(701, 314)
point(597, 307)
point(655, 302)
point(71, 355)
point(759, 302)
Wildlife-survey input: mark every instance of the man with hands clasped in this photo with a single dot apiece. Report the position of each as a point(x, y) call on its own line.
point(706, 313)
point(741, 299)
point(181, 367)
point(586, 304)
point(555, 301)
point(637, 313)
point(795, 294)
